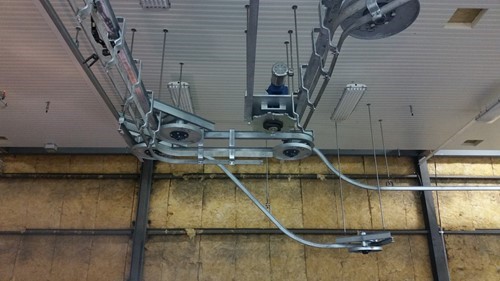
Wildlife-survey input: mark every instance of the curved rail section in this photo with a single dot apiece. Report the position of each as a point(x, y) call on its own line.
point(400, 188)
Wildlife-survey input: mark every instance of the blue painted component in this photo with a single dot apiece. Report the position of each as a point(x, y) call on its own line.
point(277, 90)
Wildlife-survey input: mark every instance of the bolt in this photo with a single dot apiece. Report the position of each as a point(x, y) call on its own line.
point(393, 14)
point(372, 25)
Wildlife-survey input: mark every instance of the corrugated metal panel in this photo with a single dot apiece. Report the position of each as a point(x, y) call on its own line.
point(446, 75)
point(35, 69)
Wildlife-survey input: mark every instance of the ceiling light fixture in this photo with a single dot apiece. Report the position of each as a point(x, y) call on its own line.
point(181, 96)
point(491, 114)
point(350, 98)
point(179, 91)
point(155, 4)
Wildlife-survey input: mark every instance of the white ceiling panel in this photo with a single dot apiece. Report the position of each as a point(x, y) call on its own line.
point(447, 76)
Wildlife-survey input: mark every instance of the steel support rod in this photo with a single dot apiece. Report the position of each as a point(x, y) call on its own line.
point(141, 222)
point(437, 248)
point(253, 19)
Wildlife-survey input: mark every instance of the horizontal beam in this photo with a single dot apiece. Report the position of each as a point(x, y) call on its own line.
point(240, 175)
point(68, 150)
point(67, 176)
point(232, 231)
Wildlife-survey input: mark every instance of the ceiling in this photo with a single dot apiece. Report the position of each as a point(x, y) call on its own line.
point(446, 75)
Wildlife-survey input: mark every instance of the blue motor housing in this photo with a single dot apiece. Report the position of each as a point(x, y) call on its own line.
point(277, 90)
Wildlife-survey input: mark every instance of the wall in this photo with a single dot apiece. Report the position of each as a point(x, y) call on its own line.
point(196, 196)
point(65, 203)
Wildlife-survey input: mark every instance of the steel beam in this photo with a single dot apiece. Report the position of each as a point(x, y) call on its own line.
point(141, 222)
point(437, 248)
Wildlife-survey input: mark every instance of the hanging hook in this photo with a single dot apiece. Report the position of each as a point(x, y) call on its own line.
point(77, 43)
point(132, 42)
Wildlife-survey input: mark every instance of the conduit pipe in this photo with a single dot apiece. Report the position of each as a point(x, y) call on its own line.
point(401, 188)
point(275, 221)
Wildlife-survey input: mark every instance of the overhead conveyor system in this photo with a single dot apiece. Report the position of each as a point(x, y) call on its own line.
point(166, 133)
point(159, 131)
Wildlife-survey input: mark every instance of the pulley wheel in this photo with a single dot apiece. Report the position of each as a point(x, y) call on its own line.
point(365, 249)
point(292, 151)
point(180, 133)
point(391, 23)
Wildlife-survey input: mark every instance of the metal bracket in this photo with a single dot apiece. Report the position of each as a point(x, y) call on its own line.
point(374, 9)
point(366, 243)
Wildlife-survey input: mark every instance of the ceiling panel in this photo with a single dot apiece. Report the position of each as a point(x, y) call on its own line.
point(446, 75)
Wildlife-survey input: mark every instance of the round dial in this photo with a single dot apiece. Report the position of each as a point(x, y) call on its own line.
point(280, 69)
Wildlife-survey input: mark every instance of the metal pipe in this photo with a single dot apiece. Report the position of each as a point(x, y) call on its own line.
point(160, 87)
point(299, 70)
point(232, 231)
point(200, 176)
point(291, 60)
point(68, 232)
point(275, 221)
point(401, 188)
point(275, 231)
point(68, 176)
point(252, 23)
point(287, 63)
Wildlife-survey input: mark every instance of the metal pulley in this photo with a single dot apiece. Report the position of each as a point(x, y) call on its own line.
point(292, 150)
point(382, 25)
point(366, 243)
point(181, 133)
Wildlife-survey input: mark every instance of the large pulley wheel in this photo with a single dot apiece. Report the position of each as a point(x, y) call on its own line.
point(292, 151)
point(389, 24)
point(180, 133)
